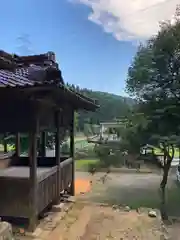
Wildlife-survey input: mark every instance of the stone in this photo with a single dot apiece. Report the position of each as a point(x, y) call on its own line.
point(58, 207)
point(115, 207)
point(6, 231)
point(164, 237)
point(127, 208)
point(152, 213)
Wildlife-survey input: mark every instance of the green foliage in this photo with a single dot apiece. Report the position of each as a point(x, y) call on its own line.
point(93, 167)
point(95, 129)
point(111, 107)
point(154, 79)
point(86, 164)
point(108, 155)
point(65, 148)
point(133, 134)
point(87, 130)
point(87, 152)
point(156, 66)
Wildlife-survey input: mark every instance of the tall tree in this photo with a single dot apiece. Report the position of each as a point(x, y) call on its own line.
point(154, 79)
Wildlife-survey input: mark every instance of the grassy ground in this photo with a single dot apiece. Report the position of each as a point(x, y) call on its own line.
point(82, 164)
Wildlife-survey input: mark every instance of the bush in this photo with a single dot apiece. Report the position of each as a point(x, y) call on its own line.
point(108, 156)
point(92, 167)
point(151, 159)
point(85, 153)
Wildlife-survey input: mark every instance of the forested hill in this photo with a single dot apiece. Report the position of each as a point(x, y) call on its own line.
point(111, 106)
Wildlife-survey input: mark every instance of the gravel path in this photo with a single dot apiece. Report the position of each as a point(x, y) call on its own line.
point(135, 190)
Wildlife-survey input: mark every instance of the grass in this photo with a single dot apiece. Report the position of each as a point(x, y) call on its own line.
point(82, 164)
point(158, 151)
point(153, 201)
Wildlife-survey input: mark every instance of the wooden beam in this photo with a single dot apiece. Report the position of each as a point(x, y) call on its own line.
point(33, 175)
point(72, 152)
point(57, 151)
point(18, 145)
point(5, 143)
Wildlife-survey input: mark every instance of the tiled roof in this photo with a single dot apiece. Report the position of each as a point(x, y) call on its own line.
point(26, 71)
point(35, 70)
point(13, 79)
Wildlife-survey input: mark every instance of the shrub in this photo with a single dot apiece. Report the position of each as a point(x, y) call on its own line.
point(92, 167)
point(108, 155)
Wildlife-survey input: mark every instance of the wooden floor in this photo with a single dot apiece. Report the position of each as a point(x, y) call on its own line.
point(24, 172)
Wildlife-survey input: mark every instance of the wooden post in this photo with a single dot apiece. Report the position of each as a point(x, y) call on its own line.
point(5, 143)
point(33, 176)
point(43, 144)
point(72, 153)
point(18, 150)
point(57, 152)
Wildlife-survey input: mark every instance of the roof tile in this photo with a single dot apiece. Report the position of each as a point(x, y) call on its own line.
point(8, 78)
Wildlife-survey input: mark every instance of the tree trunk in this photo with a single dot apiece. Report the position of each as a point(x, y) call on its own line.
point(166, 168)
point(167, 164)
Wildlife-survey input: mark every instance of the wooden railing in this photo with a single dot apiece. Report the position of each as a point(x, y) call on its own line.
point(47, 190)
point(65, 174)
point(47, 187)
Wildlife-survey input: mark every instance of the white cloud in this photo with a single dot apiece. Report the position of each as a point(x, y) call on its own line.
point(130, 19)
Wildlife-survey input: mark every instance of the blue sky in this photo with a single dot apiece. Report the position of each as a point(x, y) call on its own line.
point(87, 56)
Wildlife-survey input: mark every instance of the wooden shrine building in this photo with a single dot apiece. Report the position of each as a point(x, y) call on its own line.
point(34, 99)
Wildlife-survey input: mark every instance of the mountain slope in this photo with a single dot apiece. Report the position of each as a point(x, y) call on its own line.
point(111, 107)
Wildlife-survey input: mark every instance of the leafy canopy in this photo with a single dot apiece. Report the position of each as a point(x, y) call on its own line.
point(154, 79)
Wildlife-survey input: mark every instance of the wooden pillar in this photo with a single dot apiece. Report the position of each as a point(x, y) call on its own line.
point(18, 150)
point(43, 144)
point(5, 143)
point(33, 176)
point(72, 153)
point(57, 152)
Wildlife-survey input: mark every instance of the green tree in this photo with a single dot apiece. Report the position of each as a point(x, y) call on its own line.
point(111, 107)
point(87, 130)
point(154, 79)
point(109, 155)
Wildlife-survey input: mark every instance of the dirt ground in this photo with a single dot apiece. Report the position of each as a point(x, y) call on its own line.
point(117, 208)
point(134, 190)
point(100, 213)
point(91, 222)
